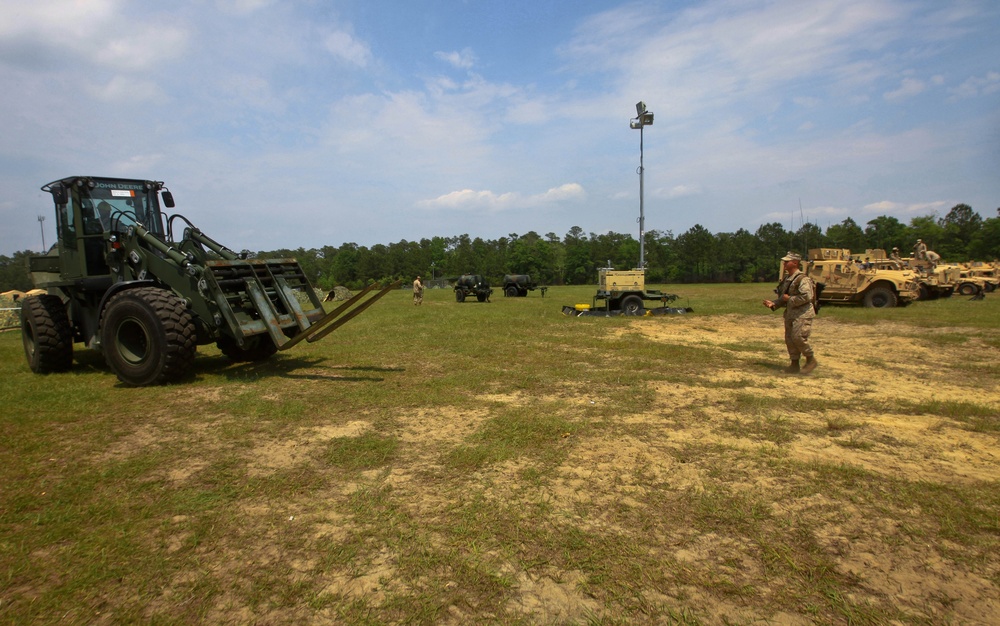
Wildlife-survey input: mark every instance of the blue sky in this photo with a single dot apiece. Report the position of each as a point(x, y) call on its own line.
point(310, 123)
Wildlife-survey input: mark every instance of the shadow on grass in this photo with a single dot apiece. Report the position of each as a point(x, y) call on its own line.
point(295, 367)
point(91, 363)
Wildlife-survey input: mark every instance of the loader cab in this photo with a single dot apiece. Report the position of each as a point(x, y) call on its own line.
point(89, 210)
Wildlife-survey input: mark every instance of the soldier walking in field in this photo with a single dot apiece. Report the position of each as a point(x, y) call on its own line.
point(418, 292)
point(796, 294)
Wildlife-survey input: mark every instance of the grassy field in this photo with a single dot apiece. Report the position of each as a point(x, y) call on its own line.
point(503, 463)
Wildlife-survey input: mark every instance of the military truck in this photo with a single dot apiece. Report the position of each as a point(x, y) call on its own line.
point(625, 291)
point(118, 281)
point(469, 285)
point(932, 281)
point(986, 271)
point(848, 281)
point(518, 285)
point(966, 283)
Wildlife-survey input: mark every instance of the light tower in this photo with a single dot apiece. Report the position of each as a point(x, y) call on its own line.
point(642, 119)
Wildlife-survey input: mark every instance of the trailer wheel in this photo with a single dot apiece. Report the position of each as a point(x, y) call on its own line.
point(459, 295)
point(482, 297)
point(148, 336)
point(512, 292)
point(256, 348)
point(968, 289)
point(632, 305)
point(880, 298)
point(46, 334)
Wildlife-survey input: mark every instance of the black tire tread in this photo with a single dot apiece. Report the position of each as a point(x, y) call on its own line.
point(51, 333)
point(180, 333)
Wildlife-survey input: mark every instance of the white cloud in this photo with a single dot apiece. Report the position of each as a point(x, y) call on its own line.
point(345, 47)
point(464, 59)
point(470, 200)
point(888, 207)
point(122, 89)
point(909, 87)
point(243, 7)
point(977, 85)
point(677, 191)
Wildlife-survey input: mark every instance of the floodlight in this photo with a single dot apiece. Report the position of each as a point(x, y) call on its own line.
point(640, 108)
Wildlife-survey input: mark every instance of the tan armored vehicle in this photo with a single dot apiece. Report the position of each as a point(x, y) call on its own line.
point(986, 271)
point(850, 281)
point(933, 280)
point(967, 283)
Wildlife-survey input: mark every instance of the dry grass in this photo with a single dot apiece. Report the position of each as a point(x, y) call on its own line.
point(502, 463)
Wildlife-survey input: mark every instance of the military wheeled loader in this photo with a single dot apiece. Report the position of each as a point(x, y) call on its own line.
point(119, 282)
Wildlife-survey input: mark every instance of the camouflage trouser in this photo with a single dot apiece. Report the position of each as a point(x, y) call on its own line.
point(797, 337)
point(418, 297)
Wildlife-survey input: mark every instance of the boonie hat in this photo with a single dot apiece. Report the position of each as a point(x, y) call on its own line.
point(791, 256)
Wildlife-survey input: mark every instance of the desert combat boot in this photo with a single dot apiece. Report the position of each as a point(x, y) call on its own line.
point(810, 364)
point(794, 367)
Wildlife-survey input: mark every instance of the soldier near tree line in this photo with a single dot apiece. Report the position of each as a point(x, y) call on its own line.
point(796, 294)
point(418, 292)
point(920, 250)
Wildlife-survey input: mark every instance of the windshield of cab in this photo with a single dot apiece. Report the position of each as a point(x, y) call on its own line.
point(118, 204)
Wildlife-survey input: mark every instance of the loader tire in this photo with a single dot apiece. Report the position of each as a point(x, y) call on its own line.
point(256, 348)
point(880, 298)
point(148, 336)
point(46, 334)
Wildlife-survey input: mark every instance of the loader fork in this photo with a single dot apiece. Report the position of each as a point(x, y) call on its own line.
point(257, 296)
point(339, 316)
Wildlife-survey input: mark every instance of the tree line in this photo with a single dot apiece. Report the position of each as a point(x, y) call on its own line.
point(695, 256)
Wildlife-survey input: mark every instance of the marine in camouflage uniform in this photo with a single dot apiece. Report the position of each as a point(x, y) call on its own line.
point(418, 292)
point(795, 295)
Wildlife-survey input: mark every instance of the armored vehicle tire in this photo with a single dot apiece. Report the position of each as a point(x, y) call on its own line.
point(482, 297)
point(459, 295)
point(148, 336)
point(512, 292)
point(925, 292)
point(632, 305)
point(256, 348)
point(990, 287)
point(968, 289)
point(46, 334)
point(880, 298)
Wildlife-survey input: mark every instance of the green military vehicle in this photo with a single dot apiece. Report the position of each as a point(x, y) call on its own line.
point(518, 285)
point(118, 281)
point(469, 285)
point(848, 281)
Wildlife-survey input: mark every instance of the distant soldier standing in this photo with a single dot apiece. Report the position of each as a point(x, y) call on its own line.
point(920, 250)
point(418, 292)
point(795, 294)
